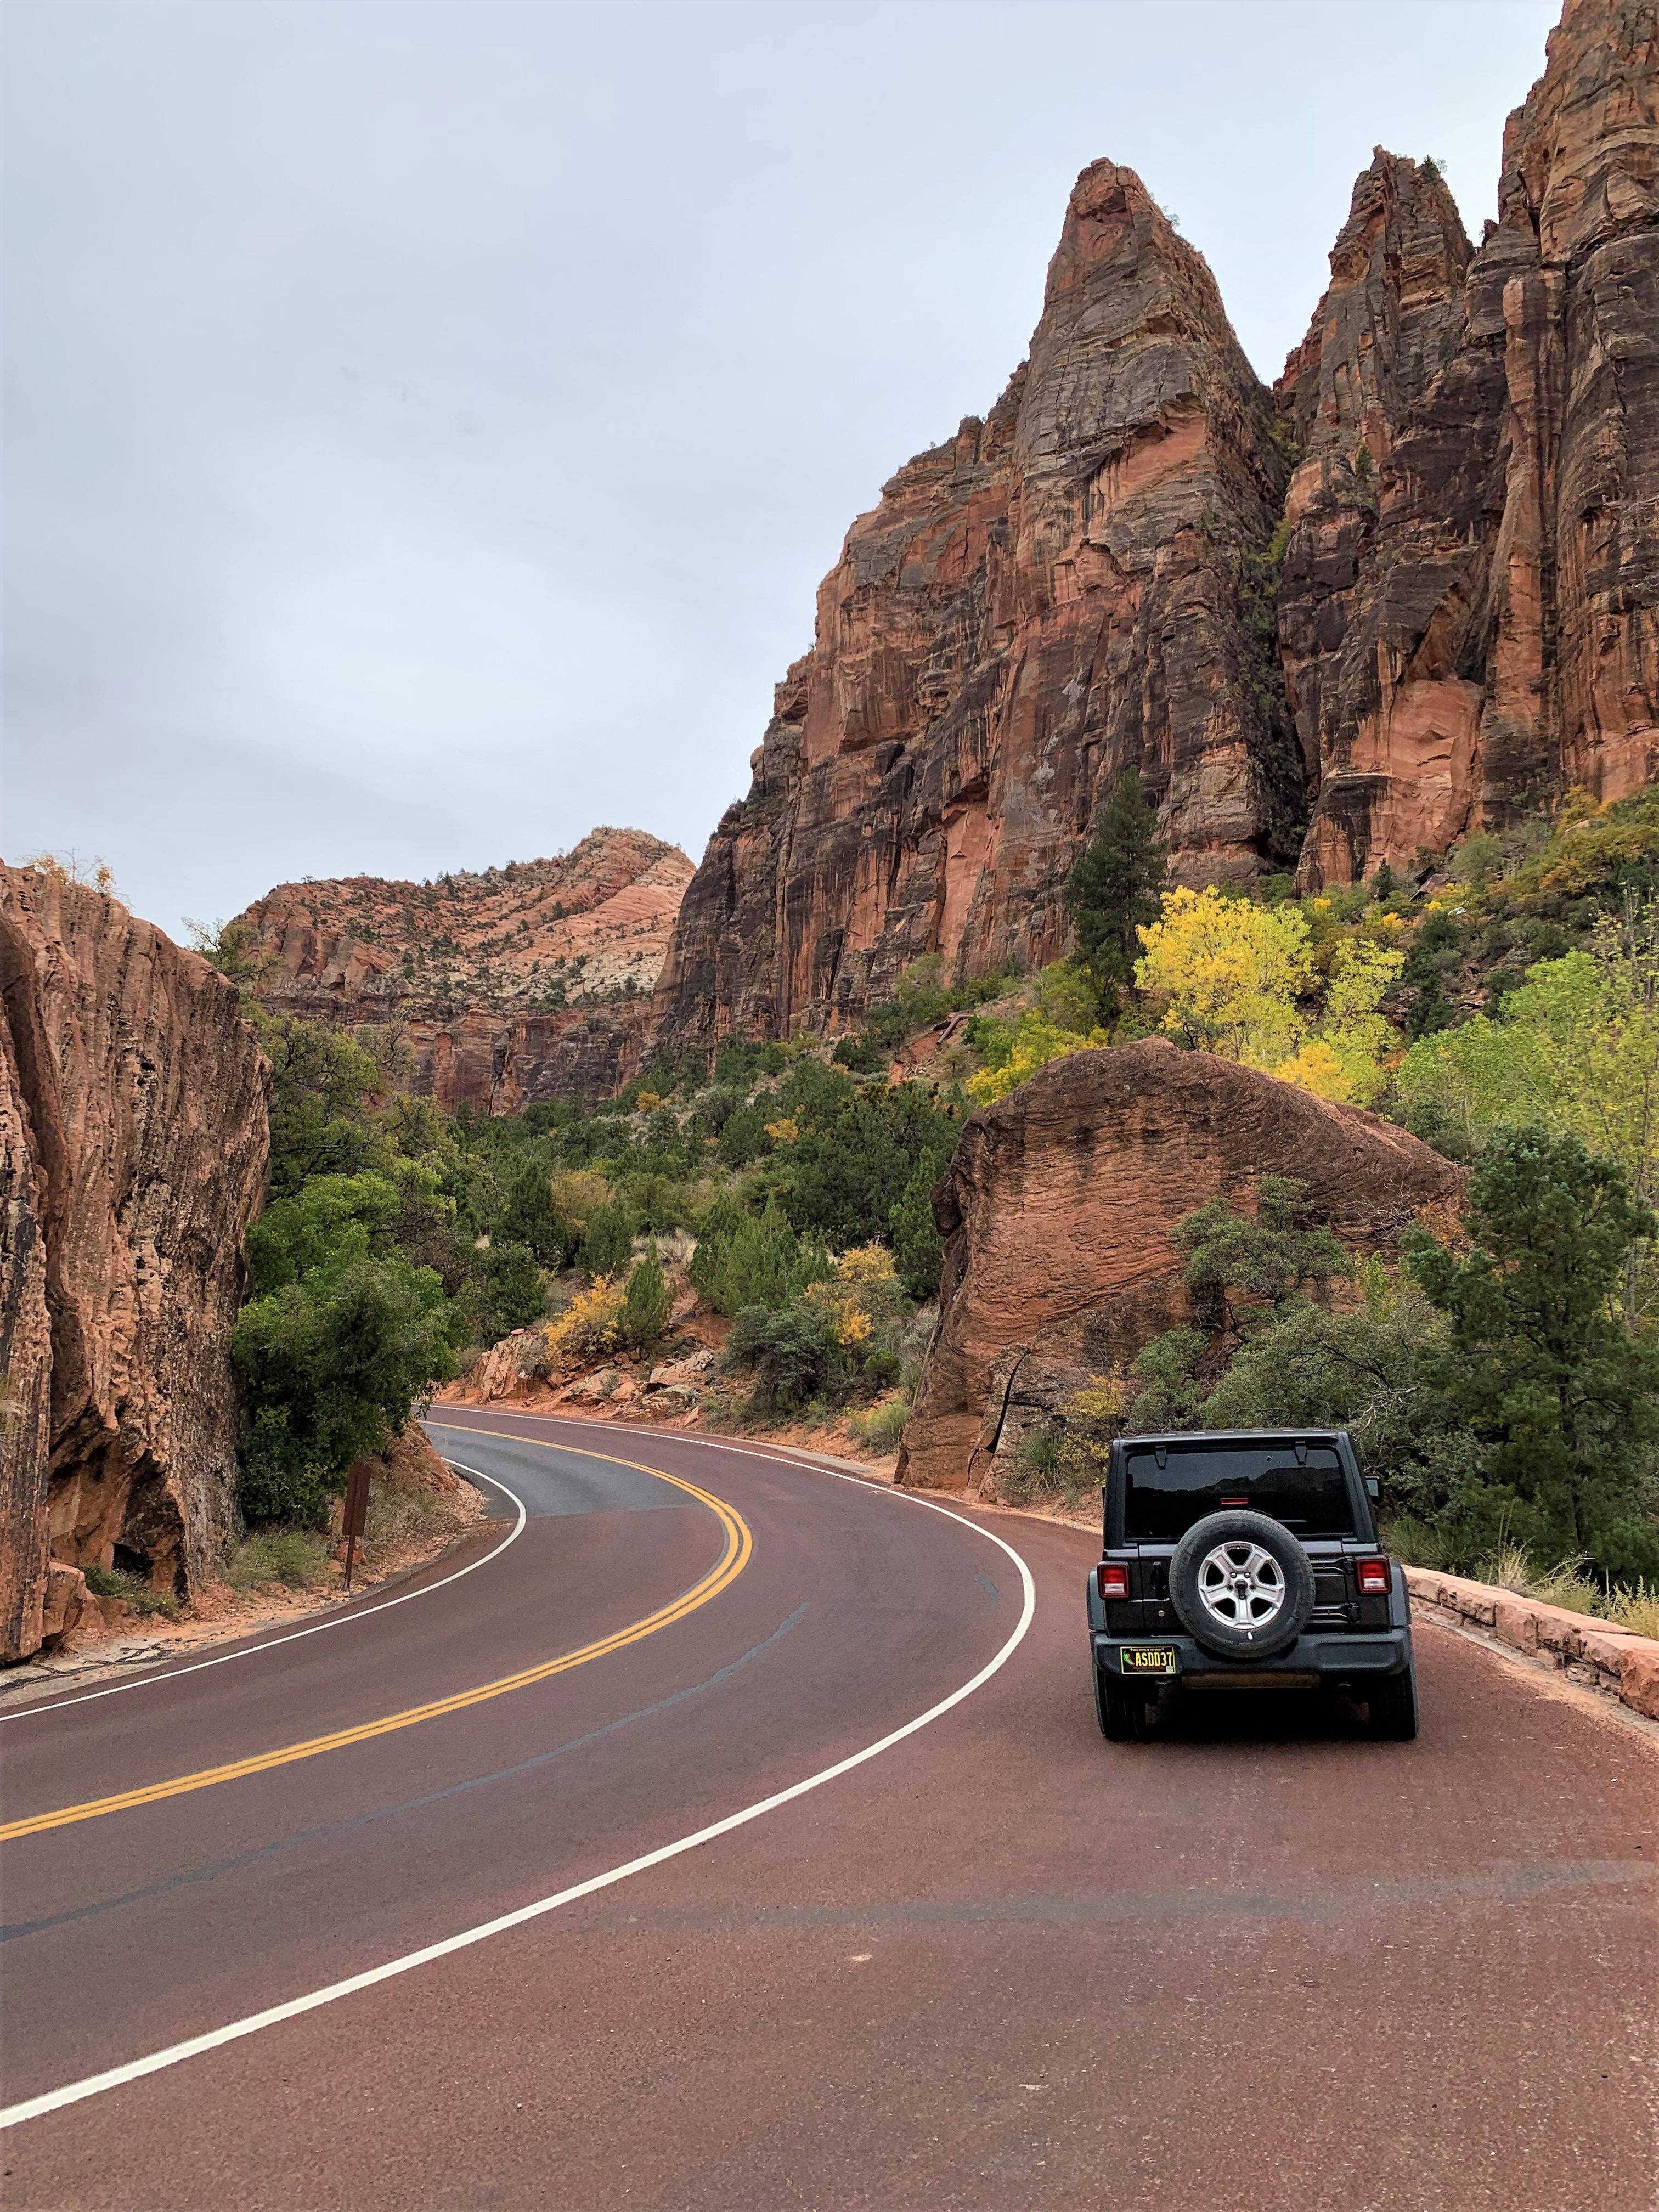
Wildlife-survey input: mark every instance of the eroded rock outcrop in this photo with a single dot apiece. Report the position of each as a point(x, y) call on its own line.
point(1499, 638)
point(489, 991)
point(133, 1143)
point(1057, 1209)
point(1056, 592)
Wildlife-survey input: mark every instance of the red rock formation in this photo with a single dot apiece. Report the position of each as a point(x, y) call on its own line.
point(1057, 1209)
point(1051, 595)
point(1391, 317)
point(133, 1144)
point(529, 981)
point(1501, 635)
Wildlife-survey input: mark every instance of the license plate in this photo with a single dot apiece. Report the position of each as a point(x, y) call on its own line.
point(1149, 1659)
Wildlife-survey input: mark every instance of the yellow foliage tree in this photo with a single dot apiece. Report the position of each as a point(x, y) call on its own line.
point(1230, 973)
point(1036, 1042)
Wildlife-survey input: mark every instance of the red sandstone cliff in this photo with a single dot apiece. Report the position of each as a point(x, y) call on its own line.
point(528, 981)
point(133, 1144)
point(1490, 635)
point(1048, 597)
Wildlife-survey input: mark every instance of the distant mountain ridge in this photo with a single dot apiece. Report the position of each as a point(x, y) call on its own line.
point(526, 982)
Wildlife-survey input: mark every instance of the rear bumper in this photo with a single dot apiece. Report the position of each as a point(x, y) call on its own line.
point(1324, 1659)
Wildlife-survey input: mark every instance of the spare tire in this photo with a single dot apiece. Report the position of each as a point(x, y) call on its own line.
point(1242, 1585)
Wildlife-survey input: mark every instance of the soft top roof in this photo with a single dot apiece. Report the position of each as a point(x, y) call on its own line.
point(1235, 1436)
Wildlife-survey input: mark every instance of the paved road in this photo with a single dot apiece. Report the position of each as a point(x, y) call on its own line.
point(998, 1964)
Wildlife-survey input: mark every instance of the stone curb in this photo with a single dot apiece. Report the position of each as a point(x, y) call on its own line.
point(1598, 1653)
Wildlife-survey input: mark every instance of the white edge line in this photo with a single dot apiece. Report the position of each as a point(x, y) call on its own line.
point(274, 1643)
point(74, 2092)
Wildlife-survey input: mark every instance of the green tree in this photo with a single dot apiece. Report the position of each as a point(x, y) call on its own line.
point(1114, 889)
point(530, 1218)
point(609, 1242)
point(1560, 1402)
point(321, 1082)
point(331, 1361)
point(648, 1300)
point(510, 1294)
point(1241, 1266)
point(918, 1247)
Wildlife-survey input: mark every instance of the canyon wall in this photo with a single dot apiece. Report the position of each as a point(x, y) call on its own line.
point(133, 1144)
point(1470, 618)
point(489, 991)
point(1062, 590)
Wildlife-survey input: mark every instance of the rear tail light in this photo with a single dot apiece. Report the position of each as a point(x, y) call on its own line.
point(1112, 1581)
point(1376, 1578)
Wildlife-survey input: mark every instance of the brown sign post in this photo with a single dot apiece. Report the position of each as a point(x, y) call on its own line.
point(356, 1515)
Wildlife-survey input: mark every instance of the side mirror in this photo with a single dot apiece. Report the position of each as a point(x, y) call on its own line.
point(1373, 1488)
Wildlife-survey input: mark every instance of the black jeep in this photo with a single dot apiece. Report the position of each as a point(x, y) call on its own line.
point(1245, 1560)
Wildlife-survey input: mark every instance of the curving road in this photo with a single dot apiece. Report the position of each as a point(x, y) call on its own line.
point(716, 1831)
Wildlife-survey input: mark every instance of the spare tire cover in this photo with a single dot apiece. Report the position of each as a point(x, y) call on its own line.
point(1242, 1585)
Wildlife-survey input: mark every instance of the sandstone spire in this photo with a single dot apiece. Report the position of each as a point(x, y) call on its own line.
point(1498, 639)
point(1061, 590)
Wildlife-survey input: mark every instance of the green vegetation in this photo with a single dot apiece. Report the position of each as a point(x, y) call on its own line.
point(117, 1582)
point(1494, 1389)
point(1114, 891)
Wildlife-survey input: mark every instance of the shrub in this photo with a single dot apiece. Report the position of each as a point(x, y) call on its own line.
point(332, 1361)
point(511, 1293)
point(791, 1351)
point(880, 1429)
point(590, 1325)
point(116, 1581)
point(296, 1558)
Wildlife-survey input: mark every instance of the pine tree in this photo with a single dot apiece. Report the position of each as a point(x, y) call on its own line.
point(1115, 886)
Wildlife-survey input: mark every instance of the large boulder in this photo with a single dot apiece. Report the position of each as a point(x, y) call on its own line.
point(1057, 1209)
point(133, 1143)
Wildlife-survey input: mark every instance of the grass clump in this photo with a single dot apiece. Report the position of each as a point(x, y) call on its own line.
point(880, 1429)
point(297, 1558)
point(117, 1582)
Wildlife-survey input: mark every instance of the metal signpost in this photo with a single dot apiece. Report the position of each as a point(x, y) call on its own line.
point(356, 1515)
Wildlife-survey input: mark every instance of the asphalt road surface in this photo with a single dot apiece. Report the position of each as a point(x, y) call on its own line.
point(994, 1962)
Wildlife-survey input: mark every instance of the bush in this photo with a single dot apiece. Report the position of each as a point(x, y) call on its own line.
point(590, 1325)
point(296, 1558)
point(791, 1350)
point(742, 1262)
point(510, 1294)
point(880, 1429)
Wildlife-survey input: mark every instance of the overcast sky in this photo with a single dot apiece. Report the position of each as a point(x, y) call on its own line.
point(427, 424)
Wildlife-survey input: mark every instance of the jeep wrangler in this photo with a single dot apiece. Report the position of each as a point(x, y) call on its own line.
point(1245, 1560)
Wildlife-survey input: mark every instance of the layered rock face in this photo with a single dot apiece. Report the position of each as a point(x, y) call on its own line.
point(529, 981)
point(1492, 634)
point(133, 1144)
point(1390, 320)
point(1059, 592)
point(1057, 1211)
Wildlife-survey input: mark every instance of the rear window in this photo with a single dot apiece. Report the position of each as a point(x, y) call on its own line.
point(1162, 1501)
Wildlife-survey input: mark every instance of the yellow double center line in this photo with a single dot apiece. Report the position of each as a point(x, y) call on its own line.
point(739, 1543)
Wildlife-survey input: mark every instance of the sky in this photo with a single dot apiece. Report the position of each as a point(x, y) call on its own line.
point(427, 424)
